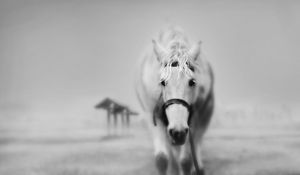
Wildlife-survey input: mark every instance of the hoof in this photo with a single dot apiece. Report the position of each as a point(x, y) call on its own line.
point(202, 172)
point(186, 165)
point(161, 162)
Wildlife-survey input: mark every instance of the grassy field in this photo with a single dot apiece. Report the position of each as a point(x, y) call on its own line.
point(89, 151)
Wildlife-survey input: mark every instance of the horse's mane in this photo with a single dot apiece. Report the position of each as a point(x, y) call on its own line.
point(172, 33)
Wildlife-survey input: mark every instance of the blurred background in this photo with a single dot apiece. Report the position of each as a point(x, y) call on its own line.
point(58, 59)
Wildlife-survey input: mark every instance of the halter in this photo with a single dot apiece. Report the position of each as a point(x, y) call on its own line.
point(162, 111)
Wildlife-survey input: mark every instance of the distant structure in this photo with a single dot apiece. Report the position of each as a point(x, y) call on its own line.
point(115, 109)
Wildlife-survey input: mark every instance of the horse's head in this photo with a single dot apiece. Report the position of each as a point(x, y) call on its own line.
point(179, 85)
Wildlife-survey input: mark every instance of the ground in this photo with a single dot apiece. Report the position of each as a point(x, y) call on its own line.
point(226, 151)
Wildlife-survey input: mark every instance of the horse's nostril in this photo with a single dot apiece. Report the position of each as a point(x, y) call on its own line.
point(176, 134)
point(186, 130)
point(171, 132)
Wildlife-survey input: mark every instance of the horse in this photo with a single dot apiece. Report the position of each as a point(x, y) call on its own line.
point(174, 85)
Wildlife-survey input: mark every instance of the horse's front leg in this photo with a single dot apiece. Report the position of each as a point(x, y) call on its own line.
point(186, 159)
point(200, 163)
point(174, 168)
point(161, 149)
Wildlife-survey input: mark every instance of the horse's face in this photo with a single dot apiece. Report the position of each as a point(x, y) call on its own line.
point(178, 82)
point(178, 86)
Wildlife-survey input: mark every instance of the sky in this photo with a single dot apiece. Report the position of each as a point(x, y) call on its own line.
point(64, 55)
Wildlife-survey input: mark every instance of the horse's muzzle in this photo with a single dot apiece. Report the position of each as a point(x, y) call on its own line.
point(178, 137)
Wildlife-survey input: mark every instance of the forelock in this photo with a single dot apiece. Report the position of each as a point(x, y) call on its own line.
point(180, 59)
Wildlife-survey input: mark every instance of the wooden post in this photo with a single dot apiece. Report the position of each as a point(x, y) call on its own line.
point(123, 119)
point(128, 119)
point(128, 122)
point(115, 122)
point(108, 121)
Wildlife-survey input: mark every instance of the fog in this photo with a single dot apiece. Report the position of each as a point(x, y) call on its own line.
point(57, 53)
point(59, 58)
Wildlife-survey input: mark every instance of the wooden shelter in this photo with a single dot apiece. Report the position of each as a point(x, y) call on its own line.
point(115, 109)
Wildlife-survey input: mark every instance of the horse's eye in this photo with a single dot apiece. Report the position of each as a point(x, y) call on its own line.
point(192, 82)
point(163, 83)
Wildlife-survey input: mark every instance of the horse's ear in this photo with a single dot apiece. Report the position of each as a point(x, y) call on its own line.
point(159, 51)
point(195, 50)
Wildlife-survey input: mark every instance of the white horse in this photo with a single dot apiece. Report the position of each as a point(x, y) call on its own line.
point(174, 85)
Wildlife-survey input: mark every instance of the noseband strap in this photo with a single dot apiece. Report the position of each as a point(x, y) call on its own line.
point(162, 114)
point(176, 101)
